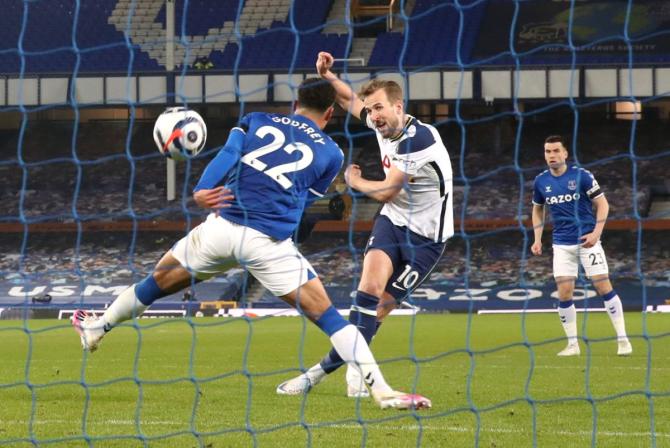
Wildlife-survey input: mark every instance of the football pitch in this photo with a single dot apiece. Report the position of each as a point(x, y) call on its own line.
point(495, 381)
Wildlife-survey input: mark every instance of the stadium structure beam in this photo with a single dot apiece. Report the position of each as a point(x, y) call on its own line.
point(171, 175)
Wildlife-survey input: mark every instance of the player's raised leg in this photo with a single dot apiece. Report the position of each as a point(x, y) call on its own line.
point(168, 278)
point(312, 300)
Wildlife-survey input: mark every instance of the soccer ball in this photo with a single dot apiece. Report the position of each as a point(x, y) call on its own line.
point(180, 133)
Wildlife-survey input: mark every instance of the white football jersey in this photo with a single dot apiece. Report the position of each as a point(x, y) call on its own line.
point(425, 204)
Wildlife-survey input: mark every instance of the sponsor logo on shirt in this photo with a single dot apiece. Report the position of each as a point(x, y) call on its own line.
point(562, 198)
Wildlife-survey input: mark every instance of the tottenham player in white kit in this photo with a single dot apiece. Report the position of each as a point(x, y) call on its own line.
point(410, 233)
point(258, 186)
point(571, 193)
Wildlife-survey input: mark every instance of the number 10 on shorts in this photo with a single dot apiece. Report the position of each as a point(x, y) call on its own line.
point(407, 279)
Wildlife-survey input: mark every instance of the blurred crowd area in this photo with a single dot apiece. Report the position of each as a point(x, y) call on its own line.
point(56, 173)
point(495, 162)
point(501, 257)
point(497, 257)
point(111, 171)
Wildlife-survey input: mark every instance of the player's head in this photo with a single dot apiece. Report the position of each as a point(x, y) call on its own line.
point(383, 102)
point(316, 99)
point(555, 151)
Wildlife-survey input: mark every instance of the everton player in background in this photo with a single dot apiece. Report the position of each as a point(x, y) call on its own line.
point(572, 194)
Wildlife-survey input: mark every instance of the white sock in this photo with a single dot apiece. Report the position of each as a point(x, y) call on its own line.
point(353, 349)
point(315, 373)
point(568, 318)
point(353, 377)
point(125, 307)
point(615, 311)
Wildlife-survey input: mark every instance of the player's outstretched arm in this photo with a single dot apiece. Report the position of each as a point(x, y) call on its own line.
point(538, 227)
point(207, 194)
point(346, 97)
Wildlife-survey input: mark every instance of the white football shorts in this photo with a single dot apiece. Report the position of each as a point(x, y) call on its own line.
point(278, 265)
point(567, 259)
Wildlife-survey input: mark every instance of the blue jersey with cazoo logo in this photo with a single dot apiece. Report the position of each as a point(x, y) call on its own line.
point(569, 198)
point(282, 164)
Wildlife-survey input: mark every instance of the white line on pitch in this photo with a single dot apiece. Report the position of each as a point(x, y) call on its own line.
point(429, 427)
point(91, 422)
point(503, 430)
point(580, 367)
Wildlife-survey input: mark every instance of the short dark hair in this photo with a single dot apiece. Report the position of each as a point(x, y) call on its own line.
point(316, 94)
point(391, 88)
point(556, 139)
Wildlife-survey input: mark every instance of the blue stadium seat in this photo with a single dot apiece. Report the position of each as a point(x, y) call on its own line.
point(432, 36)
point(437, 33)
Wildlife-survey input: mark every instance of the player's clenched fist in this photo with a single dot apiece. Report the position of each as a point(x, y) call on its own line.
point(351, 174)
point(536, 248)
point(324, 63)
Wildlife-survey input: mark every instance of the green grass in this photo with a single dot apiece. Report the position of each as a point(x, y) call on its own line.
point(211, 382)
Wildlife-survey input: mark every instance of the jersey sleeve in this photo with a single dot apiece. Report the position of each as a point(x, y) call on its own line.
point(320, 187)
point(589, 185)
point(245, 122)
point(538, 197)
point(226, 158)
point(416, 151)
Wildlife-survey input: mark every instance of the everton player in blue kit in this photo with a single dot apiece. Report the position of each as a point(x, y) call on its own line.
point(572, 193)
point(272, 166)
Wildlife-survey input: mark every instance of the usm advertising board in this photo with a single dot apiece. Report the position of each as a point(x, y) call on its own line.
point(432, 296)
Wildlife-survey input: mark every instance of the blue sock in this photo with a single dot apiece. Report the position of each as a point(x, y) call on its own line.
point(331, 322)
point(364, 315)
point(610, 295)
point(147, 291)
point(566, 304)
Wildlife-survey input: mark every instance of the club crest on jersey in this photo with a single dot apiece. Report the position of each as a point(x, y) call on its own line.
point(572, 184)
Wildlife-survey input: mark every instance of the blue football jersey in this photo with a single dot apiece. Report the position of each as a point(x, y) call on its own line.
point(569, 198)
point(284, 162)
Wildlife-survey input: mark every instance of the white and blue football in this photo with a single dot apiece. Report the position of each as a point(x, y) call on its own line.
point(180, 133)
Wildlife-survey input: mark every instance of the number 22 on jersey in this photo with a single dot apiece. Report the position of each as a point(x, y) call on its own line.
point(277, 173)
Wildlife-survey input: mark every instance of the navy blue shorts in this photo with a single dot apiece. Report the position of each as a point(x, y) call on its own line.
point(413, 256)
